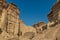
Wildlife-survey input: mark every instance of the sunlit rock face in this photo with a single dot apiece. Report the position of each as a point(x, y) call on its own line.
point(28, 32)
point(9, 16)
point(13, 28)
point(49, 31)
point(41, 30)
point(24, 28)
point(40, 27)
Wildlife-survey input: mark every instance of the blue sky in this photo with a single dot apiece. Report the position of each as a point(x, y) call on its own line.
point(34, 11)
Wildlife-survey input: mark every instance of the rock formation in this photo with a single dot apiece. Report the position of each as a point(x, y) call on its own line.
point(13, 28)
point(49, 31)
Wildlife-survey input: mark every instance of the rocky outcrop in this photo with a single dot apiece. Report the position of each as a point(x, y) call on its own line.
point(24, 28)
point(13, 28)
point(48, 31)
point(40, 27)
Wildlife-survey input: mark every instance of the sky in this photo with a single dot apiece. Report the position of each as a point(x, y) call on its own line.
point(33, 11)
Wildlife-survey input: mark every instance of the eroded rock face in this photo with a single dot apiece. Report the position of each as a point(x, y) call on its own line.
point(29, 35)
point(4, 35)
point(40, 27)
point(24, 39)
point(15, 29)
